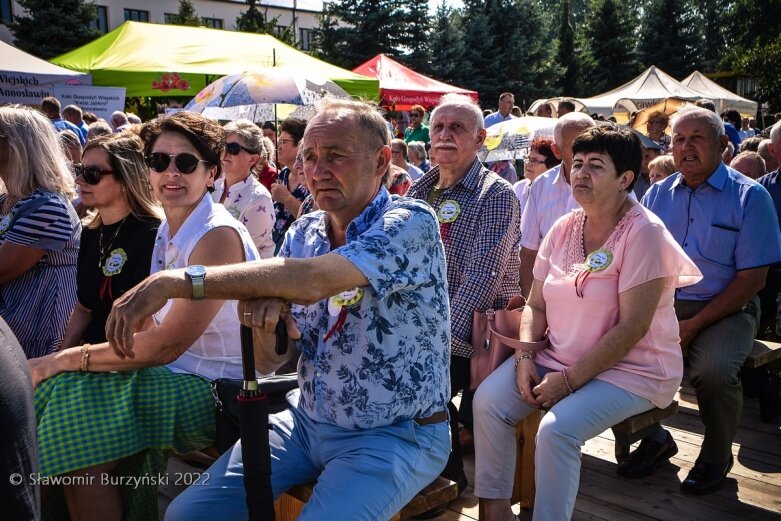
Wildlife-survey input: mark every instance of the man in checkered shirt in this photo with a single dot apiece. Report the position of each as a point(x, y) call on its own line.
point(479, 219)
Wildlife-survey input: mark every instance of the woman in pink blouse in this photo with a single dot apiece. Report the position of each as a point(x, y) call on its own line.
point(604, 284)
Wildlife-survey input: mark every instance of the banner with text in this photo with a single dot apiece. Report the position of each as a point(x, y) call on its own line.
point(30, 89)
point(101, 101)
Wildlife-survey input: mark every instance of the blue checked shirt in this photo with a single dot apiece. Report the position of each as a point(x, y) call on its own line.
point(390, 361)
point(481, 246)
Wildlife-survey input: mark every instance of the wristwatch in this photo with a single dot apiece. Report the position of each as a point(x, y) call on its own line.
point(196, 274)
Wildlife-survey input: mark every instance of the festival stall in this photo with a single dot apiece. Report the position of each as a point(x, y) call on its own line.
point(723, 98)
point(171, 60)
point(27, 80)
point(401, 87)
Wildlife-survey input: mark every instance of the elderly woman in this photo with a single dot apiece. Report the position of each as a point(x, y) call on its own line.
point(604, 283)
point(656, 125)
point(107, 414)
point(418, 156)
point(539, 160)
point(118, 236)
point(39, 231)
point(239, 190)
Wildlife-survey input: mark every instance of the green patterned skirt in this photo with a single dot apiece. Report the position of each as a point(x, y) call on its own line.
point(88, 419)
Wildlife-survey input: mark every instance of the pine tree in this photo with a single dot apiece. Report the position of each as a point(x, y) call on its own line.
point(187, 15)
point(565, 55)
point(416, 37)
point(670, 37)
point(53, 28)
point(352, 31)
point(447, 46)
point(607, 41)
point(253, 21)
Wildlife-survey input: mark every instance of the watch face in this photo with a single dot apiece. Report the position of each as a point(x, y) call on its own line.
point(196, 270)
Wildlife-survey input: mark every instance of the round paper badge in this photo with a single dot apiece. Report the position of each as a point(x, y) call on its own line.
point(114, 262)
point(448, 211)
point(599, 260)
point(344, 299)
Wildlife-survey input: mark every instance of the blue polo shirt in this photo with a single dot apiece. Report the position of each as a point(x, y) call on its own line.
point(772, 183)
point(722, 226)
point(496, 117)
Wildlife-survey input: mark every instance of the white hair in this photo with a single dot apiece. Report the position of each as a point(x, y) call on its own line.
point(775, 134)
point(461, 102)
point(693, 111)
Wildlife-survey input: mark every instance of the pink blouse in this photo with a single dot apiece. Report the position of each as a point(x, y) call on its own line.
point(642, 250)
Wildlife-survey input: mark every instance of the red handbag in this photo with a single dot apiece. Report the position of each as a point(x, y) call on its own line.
point(495, 337)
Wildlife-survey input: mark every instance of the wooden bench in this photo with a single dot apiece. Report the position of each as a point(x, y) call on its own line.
point(441, 492)
point(763, 353)
point(638, 427)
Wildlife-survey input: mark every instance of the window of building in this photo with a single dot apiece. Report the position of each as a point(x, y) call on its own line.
point(279, 30)
point(101, 22)
point(169, 17)
point(136, 15)
point(214, 23)
point(306, 38)
point(6, 16)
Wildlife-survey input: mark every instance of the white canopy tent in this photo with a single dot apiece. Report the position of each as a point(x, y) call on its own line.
point(723, 98)
point(26, 79)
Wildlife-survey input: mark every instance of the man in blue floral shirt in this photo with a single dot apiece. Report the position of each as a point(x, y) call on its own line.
point(371, 319)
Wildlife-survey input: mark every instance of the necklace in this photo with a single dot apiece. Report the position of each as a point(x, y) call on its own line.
point(102, 251)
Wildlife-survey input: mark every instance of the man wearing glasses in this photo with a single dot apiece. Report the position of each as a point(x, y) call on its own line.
point(416, 131)
point(506, 102)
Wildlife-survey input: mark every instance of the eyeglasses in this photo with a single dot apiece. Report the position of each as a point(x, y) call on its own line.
point(530, 161)
point(185, 163)
point(90, 174)
point(235, 149)
point(285, 141)
point(414, 115)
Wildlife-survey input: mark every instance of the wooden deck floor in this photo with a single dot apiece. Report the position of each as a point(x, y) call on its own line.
point(752, 491)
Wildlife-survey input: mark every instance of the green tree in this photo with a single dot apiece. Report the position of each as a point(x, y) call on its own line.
point(352, 31)
point(607, 40)
point(670, 37)
point(53, 28)
point(187, 15)
point(415, 36)
point(447, 45)
point(566, 60)
point(253, 21)
point(713, 18)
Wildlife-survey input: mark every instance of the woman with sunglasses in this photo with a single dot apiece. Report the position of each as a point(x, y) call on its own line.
point(39, 231)
point(239, 190)
point(111, 416)
point(118, 235)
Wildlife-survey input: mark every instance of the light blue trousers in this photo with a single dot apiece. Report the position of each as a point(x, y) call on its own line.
point(364, 475)
point(564, 430)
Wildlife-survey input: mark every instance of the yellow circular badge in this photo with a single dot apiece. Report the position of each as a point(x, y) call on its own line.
point(448, 211)
point(599, 260)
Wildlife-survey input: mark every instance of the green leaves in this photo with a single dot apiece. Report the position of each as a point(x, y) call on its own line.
point(53, 28)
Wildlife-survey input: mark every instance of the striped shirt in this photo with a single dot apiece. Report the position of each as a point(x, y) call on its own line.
point(481, 245)
point(37, 304)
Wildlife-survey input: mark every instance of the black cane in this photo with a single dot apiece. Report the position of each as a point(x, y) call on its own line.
point(255, 453)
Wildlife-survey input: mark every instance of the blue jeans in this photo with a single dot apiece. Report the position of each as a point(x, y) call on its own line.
point(361, 474)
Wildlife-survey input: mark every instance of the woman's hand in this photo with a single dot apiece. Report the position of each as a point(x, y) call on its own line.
point(280, 193)
point(526, 377)
point(45, 367)
point(551, 390)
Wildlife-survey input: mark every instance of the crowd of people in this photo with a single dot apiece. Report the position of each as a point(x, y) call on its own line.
point(130, 254)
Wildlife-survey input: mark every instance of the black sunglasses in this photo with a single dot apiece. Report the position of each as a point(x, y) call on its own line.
point(185, 163)
point(235, 149)
point(90, 174)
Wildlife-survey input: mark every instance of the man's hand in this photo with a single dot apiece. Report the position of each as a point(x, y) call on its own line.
point(262, 315)
point(688, 330)
point(131, 310)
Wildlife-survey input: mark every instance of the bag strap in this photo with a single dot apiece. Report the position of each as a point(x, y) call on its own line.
point(514, 343)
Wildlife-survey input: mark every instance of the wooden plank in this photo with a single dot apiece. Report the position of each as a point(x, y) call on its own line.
point(646, 419)
point(440, 492)
point(763, 353)
point(523, 485)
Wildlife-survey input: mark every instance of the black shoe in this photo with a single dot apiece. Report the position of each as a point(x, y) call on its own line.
point(705, 478)
point(644, 460)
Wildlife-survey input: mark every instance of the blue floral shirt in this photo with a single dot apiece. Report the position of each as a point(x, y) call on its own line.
point(390, 359)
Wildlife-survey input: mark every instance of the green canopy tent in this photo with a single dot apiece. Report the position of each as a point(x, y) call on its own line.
point(172, 60)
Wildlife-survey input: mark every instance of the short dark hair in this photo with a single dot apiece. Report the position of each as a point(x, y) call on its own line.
point(505, 94)
point(750, 144)
point(206, 135)
point(567, 103)
point(733, 116)
point(269, 125)
point(50, 105)
point(705, 103)
point(622, 145)
point(295, 127)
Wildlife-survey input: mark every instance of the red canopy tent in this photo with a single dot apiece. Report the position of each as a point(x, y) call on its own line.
point(401, 87)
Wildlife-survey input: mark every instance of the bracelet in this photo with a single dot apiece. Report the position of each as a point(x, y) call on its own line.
point(524, 356)
point(84, 357)
point(566, 381)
